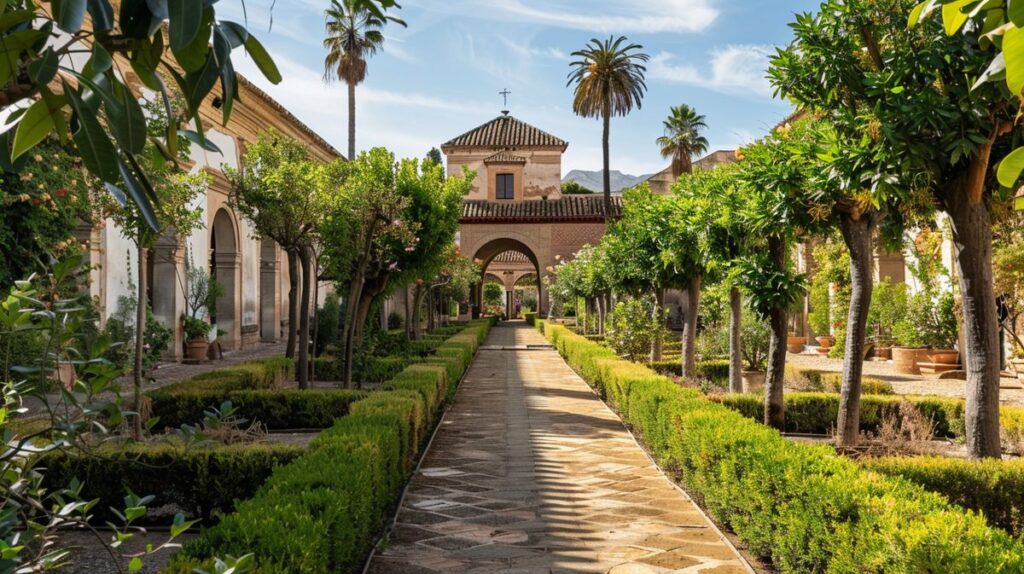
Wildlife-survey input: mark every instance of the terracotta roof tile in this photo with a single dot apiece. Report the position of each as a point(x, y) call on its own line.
point(572, 208)
point(506, 131)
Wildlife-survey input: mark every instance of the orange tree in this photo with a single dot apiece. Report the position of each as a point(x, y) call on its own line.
point(912, 97)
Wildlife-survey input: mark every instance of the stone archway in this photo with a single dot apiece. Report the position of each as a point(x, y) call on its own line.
point(508, 269)
point(225, 267)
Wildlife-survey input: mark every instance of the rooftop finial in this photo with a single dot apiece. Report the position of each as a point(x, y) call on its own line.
point(505, 93)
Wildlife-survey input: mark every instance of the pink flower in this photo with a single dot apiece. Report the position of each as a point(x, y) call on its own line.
point(410, 249)
point(393, 266)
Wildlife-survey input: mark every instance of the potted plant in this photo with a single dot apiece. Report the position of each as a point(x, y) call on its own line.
point(795, 344)
point(200, 300)
point(755, 336)
point(888, 307)
point(819, 315)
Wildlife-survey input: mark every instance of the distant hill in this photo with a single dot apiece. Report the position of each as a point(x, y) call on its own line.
point(593, 180)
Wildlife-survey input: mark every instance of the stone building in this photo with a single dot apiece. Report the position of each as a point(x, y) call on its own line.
point(515, 222)
point(253, 271)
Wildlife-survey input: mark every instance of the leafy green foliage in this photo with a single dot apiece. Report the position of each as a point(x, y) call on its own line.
point(633, 329)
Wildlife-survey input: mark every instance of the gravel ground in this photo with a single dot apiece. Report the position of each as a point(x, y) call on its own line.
point(91, 556)
point(1011, 393)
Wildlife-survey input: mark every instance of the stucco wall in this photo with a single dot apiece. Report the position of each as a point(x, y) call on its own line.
point(541, 175)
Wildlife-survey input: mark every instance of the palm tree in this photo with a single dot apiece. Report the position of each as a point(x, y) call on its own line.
point(354, 33)
point(609, 78)
point(683, 140)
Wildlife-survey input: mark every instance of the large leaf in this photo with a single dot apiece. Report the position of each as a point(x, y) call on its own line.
point(198, 84)
point(953, 16)
point(44, 69)
point(124, 114)
point(146, 58)
point(35, 125)
point(234, 32)
point(192, 56)
point(1015, 12)
point(94, 146)
point(69, 14)
point(136, 21)
point(263, 60)
point(102, 14)
point(139, 189)
point(186, 18)
point(1013, 53)
point(1010, 168)
point(11, 48)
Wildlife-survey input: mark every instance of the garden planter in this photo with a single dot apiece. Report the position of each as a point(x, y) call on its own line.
point(753, 381)
point(944, 356)
point(796, 344)
point(65, 375)
point(825, 342)
point(905, 359)
point(196, 349)
point(883, 353)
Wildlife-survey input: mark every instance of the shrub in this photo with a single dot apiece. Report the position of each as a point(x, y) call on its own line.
point(632, 329)
point(276, 409)
point(326, 367)
point(380, 369)
point(804, 507)
point(198, 480)
point(715, 370)
point(991, 487)
point(530, 317)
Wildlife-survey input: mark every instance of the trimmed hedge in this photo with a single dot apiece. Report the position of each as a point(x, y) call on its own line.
point(530, 317)
point(713, 370)
point(992, 487)
point(199, 480)
point(804, 507)
point(322, 513)
point(281, 409)
point(816, 380)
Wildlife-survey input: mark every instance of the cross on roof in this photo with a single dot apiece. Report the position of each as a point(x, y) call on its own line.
point(505, 94)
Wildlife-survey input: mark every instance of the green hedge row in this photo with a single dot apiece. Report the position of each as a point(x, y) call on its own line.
point(994, 488)
point(322, 513)
point(817, 413)
point(277, 410)
point(713, 370)
point(198, 480)
point(816, 380)
point(530, 317)
point(803, 507)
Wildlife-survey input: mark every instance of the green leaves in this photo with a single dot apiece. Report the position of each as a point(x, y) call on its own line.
point(98, 153)
point(69, 14)
point(1011, 168)
point(186, 18)
point(262, 59)
point(953, 16)
point(35, 125)
point(1015, 11)
point(1013, 52)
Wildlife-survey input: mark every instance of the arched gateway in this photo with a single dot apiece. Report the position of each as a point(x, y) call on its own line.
point(515, 220)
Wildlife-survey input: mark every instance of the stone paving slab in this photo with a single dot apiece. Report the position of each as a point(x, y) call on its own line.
point(531, 473)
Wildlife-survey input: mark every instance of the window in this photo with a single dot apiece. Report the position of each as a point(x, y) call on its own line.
point(506, 188)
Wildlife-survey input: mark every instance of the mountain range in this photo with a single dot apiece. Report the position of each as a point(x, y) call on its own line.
point(593, 180)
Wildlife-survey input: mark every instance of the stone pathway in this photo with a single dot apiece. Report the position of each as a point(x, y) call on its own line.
point(530, 472)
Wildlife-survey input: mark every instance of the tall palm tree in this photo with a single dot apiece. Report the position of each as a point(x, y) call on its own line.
point(609, 78)
point(683, 140)
point(354, 33)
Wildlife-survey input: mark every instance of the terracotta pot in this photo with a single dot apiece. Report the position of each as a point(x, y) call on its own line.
point(944, 356)
point(905, 359)
point(753, 381)
point(822, 350)
point(883, 353)
point(825, 342)
point(65, 375)
point(796, 344)
point(195, 350)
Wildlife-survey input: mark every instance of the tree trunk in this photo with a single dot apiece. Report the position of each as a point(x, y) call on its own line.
point(774, 397)
point(858, 234)
point(417, 305)
point(302, 365)
point(351, 121)
point(607, 166)
point(690, 329)
point(316, 314)
point(972, 238)
point(659, 319)
point(408, 315)
point(600, 315)
point(735, 344)
point(355, 291)
point(140, 335)
point(293, 301)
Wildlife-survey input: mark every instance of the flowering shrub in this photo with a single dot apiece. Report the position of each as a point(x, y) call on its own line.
point(632, 330)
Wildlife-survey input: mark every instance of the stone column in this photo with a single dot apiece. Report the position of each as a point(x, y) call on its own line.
point(270, 311)
point(168, 290)
point(227, 267)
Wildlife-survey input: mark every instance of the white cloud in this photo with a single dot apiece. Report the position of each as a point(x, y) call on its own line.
point(739, 69)
point(647, 16)
point(528, 50)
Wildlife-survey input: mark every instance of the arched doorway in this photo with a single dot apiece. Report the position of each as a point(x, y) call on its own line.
point(505, 261)
point(225, 268)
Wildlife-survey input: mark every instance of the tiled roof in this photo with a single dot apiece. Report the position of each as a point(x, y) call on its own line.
point(511, 257)
point(505, 157)
point(503, 132)
point(571, 208)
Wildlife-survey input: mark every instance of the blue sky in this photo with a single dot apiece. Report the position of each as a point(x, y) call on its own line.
point(441, 76)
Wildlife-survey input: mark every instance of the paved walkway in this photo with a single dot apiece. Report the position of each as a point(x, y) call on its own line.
point(530, 472)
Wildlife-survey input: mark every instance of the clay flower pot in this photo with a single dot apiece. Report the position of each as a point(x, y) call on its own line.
point(905, 359)
point(796, 344)
point(64, 374)
point(884, 353)
point(196, 349)
point(753, 381)
point(825, 342)
point(944, 356)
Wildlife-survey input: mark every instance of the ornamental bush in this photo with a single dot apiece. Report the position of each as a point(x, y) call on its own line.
point(990, 487)
point(803, 507)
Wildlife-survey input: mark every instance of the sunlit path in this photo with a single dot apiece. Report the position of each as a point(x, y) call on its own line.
point(530, 472)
